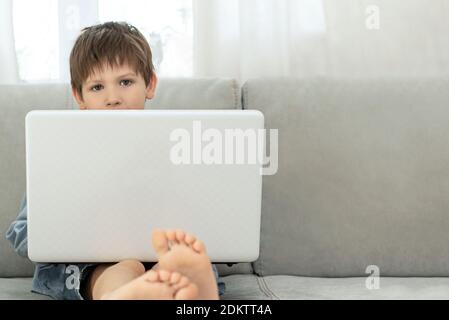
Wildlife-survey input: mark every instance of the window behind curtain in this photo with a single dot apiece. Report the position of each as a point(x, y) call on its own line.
point(45, 31)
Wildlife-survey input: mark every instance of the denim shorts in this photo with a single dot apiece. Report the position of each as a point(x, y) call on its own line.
point(67, 281)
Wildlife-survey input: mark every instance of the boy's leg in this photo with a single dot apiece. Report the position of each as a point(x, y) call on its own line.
point(108, 277)
point(128, 280)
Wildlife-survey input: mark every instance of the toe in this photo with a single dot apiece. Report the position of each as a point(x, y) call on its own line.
point(189, 239)
point(171, 235)
point(175, 277)
point(183, 282)
point(160, 242)
point(180, 236)
point(199, 246)
point(164, 275)
point(151, 276)
point(189, 292)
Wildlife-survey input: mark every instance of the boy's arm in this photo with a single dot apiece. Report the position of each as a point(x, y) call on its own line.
point(17, 232)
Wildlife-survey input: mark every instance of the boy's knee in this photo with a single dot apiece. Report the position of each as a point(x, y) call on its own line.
point(134, 265)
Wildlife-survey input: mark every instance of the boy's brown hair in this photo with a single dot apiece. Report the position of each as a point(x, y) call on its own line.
point(114, 43)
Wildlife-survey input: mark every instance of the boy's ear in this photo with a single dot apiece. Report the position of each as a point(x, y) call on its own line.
point(151, 89)
point(78, 99)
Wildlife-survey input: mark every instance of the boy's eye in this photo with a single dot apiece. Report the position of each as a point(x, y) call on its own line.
point(126, 83)
point(97, 87)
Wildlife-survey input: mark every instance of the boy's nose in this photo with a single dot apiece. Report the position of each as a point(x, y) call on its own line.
point(113, 102)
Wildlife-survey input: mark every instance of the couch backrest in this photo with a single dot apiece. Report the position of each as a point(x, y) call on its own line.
point(16, 101)
point(363, 176)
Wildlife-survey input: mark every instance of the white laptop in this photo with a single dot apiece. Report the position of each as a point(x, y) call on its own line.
point(99, 182)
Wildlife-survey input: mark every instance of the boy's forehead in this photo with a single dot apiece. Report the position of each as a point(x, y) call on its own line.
point(106, 70)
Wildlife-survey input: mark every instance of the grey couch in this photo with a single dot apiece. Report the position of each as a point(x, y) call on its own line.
point(363, 181)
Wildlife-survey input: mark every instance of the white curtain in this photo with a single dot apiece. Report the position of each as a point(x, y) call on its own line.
point(354, 38)
point(45, 31)
point(8, 61)
point(240, 39)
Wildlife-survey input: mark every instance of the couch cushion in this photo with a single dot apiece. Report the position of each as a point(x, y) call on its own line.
point(246, 287)
point(237, 287)
point(305, 288)
point(251, 287)
point(18, 289)
point(196, 94)
point(363, 176)
point(17, 100)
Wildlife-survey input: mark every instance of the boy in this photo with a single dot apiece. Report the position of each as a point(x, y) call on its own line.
point(111, 68)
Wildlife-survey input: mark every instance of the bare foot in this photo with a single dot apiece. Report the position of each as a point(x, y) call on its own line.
point(182, 252)
point(156, 285)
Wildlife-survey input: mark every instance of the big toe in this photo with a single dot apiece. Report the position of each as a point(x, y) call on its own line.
point(185, 289)
point(160, 242)
point(189, 292)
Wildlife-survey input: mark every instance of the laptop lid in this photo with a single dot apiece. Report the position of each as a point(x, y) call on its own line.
point(99, 182)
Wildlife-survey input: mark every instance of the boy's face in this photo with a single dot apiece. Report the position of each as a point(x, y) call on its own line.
point(115, 88)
